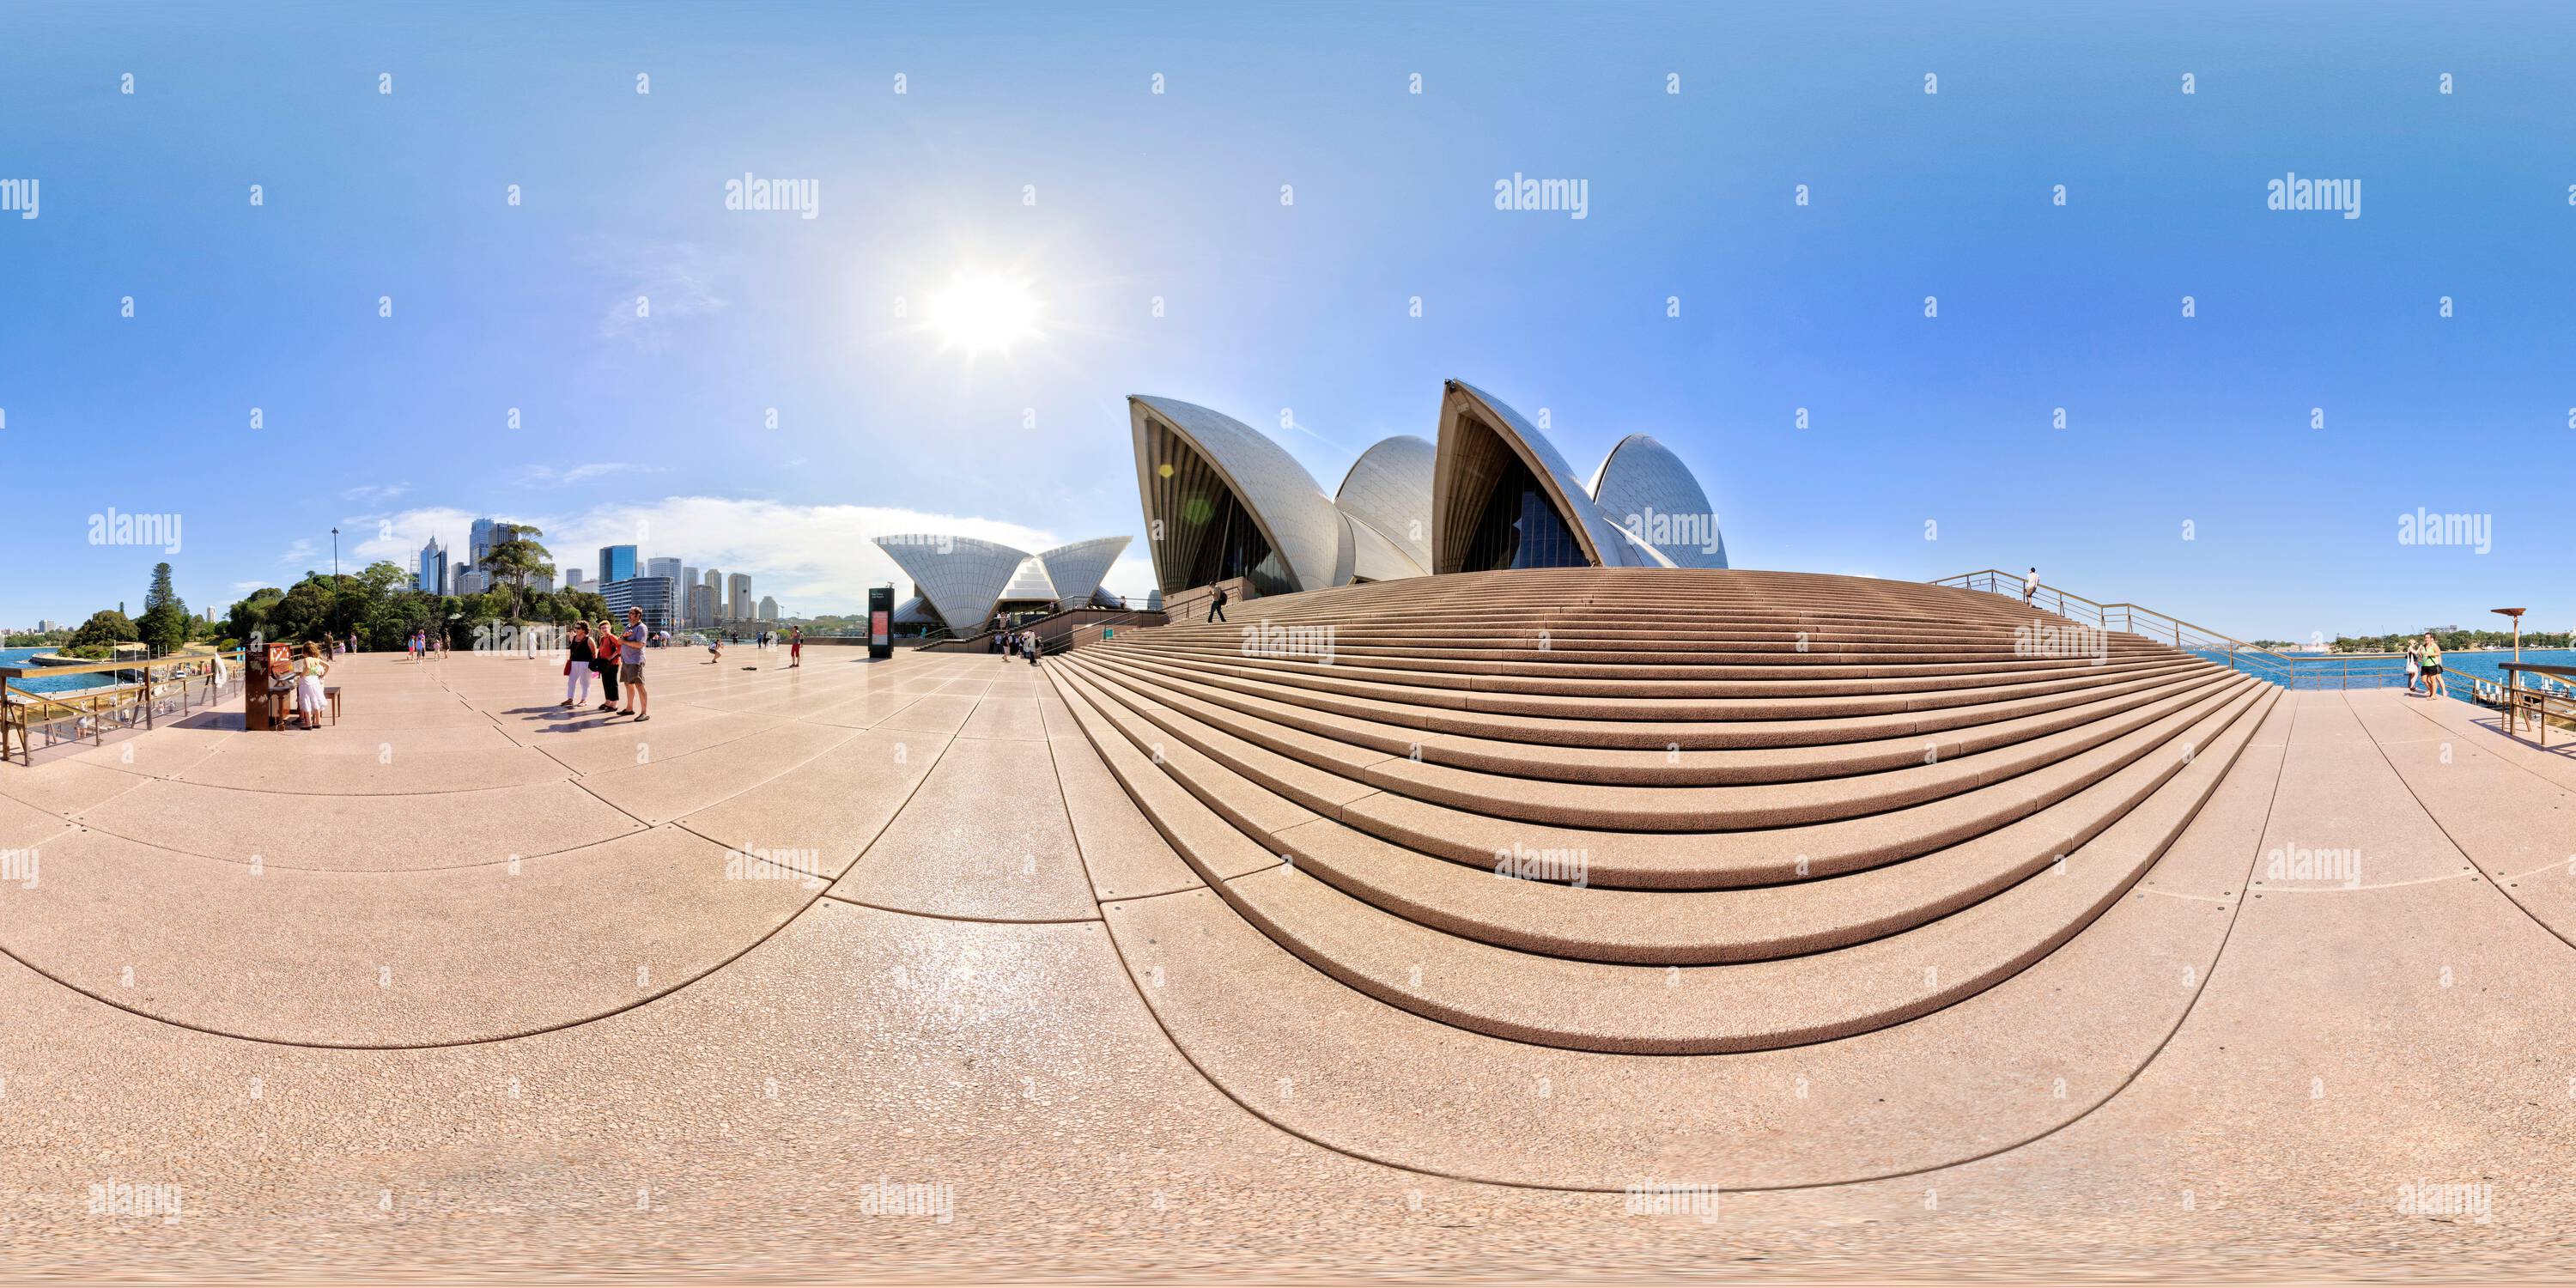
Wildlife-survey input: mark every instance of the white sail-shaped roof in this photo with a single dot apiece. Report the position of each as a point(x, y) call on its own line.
point(1644, 488)
point(1476, 429)
point(1389, 491)
point(961, 577)
point(1182, 447)
point(1076, 569)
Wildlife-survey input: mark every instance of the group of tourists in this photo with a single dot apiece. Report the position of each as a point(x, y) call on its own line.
point(1019, 643)
point(2424, 667)
point(617, 659)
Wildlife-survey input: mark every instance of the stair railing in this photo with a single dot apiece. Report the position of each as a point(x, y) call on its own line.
point(2146, 623)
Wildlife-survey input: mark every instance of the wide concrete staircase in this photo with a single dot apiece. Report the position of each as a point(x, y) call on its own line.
point(1658, 812)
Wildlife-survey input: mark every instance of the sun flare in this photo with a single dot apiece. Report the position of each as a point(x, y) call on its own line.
point(980, 311)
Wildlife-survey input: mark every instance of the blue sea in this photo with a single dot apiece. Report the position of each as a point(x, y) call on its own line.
point(2329, 671)
point(50, 683)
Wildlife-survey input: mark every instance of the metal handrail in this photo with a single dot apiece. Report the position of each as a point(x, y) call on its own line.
point(2164, 627)
point(25, 711)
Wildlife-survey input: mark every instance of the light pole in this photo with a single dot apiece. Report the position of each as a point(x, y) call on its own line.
point(335, 555)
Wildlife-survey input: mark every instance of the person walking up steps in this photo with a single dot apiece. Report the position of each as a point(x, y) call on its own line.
point(1216, 606)
point(631, 672)
point(2029, 586)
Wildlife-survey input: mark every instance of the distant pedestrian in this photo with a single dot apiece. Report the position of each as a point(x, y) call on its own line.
point(353, 641)
point(630, 673)
point(1216, 606)
point(2433, 685)
point(1033, 648)
point(795, 646)
point(2414, 664)
point(2029, 586)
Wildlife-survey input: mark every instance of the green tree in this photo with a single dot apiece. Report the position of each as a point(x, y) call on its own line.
point(106, 626)
point(514, 559)
point(164, 624)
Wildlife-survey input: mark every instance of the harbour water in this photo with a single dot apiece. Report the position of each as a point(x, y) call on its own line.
point(51, 683)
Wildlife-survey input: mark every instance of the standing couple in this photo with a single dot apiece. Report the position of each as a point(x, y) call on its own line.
point(2424, 663)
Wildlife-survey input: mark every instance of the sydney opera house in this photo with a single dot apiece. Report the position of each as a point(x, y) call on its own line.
point(1222, 500)
point(964, 582)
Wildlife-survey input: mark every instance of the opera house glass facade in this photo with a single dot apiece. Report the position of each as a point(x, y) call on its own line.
point(1224, 500)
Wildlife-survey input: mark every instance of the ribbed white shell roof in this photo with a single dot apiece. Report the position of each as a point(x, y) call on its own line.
point(961, 577)
point(1294, 515)
point(1644, 488)
point(1389, 490)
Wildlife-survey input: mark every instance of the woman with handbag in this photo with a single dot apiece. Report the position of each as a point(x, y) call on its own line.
point(577, 659)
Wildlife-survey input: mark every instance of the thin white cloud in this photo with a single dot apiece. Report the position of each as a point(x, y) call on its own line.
point(375, 492)
point(655, 284)
point(549, 476)
point(299, 552)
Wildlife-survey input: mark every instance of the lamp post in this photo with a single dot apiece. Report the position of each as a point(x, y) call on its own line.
point(2516, 615)
point(335, 555)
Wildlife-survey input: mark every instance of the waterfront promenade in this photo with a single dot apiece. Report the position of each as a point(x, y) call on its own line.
point(854, 970)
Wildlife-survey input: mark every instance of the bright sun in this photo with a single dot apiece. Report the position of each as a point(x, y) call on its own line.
point(979, 311)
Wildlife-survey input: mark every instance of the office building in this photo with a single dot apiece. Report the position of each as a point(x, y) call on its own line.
point(655, 595)
point(430, 576)
point(616, 563)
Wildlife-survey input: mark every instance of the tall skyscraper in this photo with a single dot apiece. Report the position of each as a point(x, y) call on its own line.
point(652, 594)
point(480, 541)
point(616, 563)
point(662, 568)
point(738, 606)
point(768, 609)
point(688, 588)
point(431, 575)
point(702, 605)
point(715, 584)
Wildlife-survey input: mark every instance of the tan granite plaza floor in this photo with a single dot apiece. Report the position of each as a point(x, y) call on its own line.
point(874, 970)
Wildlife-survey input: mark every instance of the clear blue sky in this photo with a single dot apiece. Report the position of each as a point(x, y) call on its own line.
point(393, 427)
